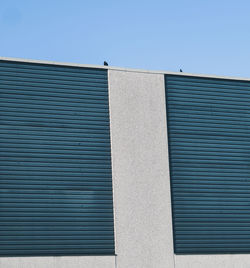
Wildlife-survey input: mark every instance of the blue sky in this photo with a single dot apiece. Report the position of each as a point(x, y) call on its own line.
point(199, 36)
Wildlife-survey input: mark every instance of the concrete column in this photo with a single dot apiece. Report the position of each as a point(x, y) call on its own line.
point(143, 225)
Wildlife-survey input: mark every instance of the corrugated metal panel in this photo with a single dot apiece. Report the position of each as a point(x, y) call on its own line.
point(209, 142)
point(55, 161)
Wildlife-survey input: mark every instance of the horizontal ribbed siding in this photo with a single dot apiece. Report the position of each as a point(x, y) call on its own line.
point(209, 142)
point(55, 161)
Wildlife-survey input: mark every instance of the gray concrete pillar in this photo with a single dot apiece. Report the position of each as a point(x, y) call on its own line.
point(143, 223)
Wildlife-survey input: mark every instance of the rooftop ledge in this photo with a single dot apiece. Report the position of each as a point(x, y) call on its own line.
point(121, 68)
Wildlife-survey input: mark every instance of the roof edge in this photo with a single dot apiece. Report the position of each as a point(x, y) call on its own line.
point(121, 68)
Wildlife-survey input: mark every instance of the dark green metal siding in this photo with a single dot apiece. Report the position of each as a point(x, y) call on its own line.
point(209, 142)
point(55, 161)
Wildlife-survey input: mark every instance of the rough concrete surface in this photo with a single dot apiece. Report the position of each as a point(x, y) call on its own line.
point(143, 225)
point(59, 262)
point(213, 261)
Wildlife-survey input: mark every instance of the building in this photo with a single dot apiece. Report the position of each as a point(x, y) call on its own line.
point(85, 179)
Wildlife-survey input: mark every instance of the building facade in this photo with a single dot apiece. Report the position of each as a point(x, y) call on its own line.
point(117, 168)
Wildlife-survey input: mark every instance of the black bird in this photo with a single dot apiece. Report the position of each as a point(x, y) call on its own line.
point(180, 70)
point(105, 63)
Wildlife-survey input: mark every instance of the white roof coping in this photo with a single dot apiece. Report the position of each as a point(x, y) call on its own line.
point(120, 68)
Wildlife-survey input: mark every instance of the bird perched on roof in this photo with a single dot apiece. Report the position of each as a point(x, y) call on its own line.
point(180, 70)
point(105, 63)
